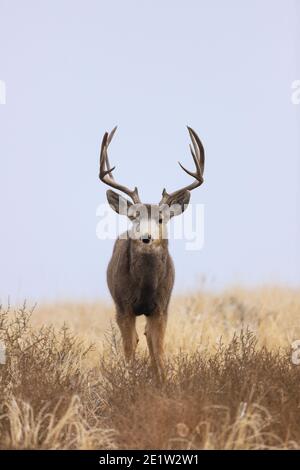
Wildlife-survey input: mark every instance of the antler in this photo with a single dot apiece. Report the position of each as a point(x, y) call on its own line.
point(105, 173)
point(197, 151)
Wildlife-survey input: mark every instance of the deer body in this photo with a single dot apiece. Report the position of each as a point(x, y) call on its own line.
point(140, 282)
point(140, 274)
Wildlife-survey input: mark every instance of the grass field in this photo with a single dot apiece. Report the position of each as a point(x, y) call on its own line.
point(231, 382)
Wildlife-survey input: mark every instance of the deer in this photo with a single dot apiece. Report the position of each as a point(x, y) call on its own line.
point(140, 274)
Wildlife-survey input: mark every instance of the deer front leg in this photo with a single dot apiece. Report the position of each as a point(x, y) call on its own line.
point(155, 333)
point(126, 323)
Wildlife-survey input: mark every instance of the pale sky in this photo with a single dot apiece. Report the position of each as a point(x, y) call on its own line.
point(74, 69)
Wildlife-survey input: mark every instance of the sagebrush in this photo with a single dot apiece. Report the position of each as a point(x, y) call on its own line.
point(230, 381)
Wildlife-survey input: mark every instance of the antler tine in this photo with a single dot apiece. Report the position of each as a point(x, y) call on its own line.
point(104, 162)
point(198, 148)
point(197, 151)
point(105, 173)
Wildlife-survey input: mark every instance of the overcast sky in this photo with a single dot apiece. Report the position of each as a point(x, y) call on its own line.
point(74, 69)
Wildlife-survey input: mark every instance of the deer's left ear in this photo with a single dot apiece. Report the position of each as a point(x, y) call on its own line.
point(179, 203)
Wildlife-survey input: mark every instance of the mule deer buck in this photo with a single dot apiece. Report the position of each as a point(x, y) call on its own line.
point(140, 274)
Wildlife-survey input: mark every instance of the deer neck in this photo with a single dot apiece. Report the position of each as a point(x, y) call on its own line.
point(147, 261)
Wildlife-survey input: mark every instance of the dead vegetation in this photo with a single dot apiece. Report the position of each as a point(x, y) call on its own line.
point(230, 384)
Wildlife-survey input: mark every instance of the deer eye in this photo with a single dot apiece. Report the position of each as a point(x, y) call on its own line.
point(160, 220)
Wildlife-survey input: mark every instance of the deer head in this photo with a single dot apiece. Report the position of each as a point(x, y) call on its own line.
point(150, 220)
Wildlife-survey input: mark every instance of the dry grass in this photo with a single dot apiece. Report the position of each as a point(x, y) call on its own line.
point(230, 380)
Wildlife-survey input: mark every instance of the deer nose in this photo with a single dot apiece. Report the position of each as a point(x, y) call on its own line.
point(146, 238)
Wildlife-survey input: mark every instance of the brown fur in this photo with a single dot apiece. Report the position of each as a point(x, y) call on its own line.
point(140, 280)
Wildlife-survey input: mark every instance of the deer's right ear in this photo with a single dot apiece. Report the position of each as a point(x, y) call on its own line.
point(118, 203)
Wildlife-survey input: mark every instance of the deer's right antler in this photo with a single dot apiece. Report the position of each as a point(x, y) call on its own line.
point(105, 173)
point(197, 151)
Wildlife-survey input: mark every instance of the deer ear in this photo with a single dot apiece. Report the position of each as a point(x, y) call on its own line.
point(117, 202)
point(179, 203)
